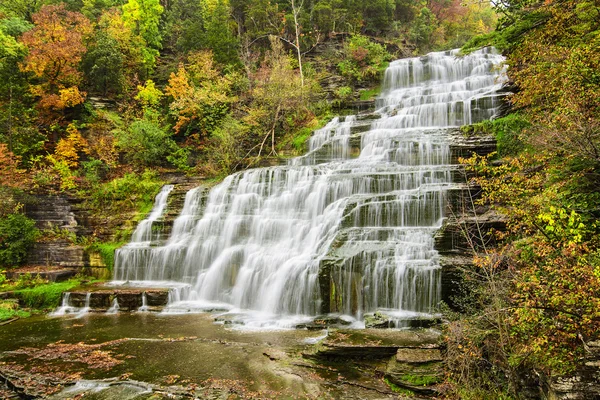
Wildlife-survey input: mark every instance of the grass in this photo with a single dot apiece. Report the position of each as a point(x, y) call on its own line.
point(10, 309)
point(47, 295)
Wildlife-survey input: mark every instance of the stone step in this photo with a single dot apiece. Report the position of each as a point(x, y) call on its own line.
point(128, 299)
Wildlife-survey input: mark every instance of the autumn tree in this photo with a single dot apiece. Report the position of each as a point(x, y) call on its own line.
point(56, 46)
point(201, 95)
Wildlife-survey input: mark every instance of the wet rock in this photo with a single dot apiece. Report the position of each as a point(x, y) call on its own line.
point(329, 350)
point(129, 300)
point(157, 298)
point(418, 355)
point(377, 320)
point(322, 322)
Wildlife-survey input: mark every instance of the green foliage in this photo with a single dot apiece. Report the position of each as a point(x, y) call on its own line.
point(370, 94)
point(10, 310)
point(364, 59)
point(45, 296)
point(94, 170)
point(132, 191)
point(145, 142)
point(103, 65)
point(17, 234)
point(423, 27)
point(508, 131)
point(224, 145)
point(143, 16)
point(301, 138)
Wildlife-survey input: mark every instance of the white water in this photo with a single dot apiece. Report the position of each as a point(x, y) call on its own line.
point(144, 306)
point(257, 244)
point(143, 233)
point(114, 308)
point(65, 307)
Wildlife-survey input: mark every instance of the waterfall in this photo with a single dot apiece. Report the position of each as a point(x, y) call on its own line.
point(65, 307)
point(143, 232)
point(347, 228)
point(114, 308)
point(144, 306)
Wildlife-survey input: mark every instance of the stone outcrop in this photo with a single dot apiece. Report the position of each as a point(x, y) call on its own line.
point(584, 384)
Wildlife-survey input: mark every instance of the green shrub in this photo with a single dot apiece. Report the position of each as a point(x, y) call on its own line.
point(145, 142)
point(363, 59)
point(17, 234)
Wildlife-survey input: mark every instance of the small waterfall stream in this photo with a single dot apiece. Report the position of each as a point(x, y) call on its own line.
point(347, 228)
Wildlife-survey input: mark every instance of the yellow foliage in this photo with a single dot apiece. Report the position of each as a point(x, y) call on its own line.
point(70, 97)
point(148, 95)
point(68, 148)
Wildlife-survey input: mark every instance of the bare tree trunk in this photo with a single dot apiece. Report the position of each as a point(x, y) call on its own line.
point(296, 12)
point(10, 100)
point(273, 129)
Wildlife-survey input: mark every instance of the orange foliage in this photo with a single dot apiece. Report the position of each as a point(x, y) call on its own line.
point(55, 49)
point(10, 174)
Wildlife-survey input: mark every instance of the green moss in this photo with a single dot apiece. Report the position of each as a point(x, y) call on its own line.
point(47, 295)
point(397, 389)
point(420, 380)
point(106, 252)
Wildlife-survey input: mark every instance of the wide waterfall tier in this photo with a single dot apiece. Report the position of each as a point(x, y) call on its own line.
point(348, 228)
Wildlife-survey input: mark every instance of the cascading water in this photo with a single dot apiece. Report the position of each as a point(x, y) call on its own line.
point(347, 228)
point(143, 233)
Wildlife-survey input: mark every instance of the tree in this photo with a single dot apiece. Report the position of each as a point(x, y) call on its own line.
point(201, 95)
point(13, 84)
point(103, 64)
point(56, 46)
point(24, 9)
point(143, 18)
point(93, 9)
point(277, 94)
point(17, 234)
point(137, 60)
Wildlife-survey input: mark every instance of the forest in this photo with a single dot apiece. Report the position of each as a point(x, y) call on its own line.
point(101, 99)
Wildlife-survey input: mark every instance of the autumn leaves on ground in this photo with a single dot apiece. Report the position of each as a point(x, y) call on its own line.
point(99, 100)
